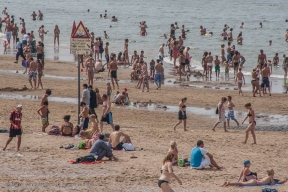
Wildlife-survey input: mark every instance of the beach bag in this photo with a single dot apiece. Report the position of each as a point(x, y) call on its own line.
point(82, 145)
point(55, 130)
point(181, 162)
point(128, 147)
point(88, 158)
point(269, 190)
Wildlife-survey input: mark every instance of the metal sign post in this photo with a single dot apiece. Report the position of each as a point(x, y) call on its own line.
point(80, 45)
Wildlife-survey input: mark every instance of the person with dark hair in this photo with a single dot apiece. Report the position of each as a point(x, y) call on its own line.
point(182, 114)
point(230, 35)
point(44, 115)
point(236, 62)
point(252, 123)
point(101, 49)
point(265, 73)
point(93, 102)
point(230, 114)
point(84, 115)
point(198, 159)
point(66, 129)
point(86, 95)
point(221, 112)
point(107, 114)
point(101, 150)
point(114, 138)
point(19, 51)
point(42, 32)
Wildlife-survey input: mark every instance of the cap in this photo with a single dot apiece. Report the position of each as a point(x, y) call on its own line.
point(125, 89)
point(246, 162)
point(20, 106)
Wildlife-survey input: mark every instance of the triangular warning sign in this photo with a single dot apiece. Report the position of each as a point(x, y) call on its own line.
point(80, 32)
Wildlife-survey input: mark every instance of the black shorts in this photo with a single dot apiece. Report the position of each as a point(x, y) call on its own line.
point(236, 64)
point(183, 64)
point(187, 61)
point(113, 74)
point(107, 58)
point(15, 132)
point(160, 182)
point(171, 53)
point(254, 122)
point(108, 118)
point(39, 56)
point(265, 82)
point(85, 122)
point(118, 147)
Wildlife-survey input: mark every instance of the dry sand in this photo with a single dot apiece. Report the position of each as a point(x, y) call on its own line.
point(44, 166)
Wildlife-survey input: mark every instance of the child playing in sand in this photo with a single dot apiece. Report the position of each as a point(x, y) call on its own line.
point(5, 45)
point(43, 112)
point(226, 64)
point(109, 90)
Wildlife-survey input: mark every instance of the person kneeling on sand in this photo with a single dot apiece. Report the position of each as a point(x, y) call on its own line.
point(100, 149)
point(198, 159)
point(114, 138)
point(268, 180)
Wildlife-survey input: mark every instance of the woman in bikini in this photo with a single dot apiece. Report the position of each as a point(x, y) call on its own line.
point(90, 68)
point(66, 128)
point(40, 73)
point(96, 48)
point(246, 173)
point(182, 113)
point(268, 180)
point(252, 123)
point(56, 35)
point(167, 174)
point(255, 82)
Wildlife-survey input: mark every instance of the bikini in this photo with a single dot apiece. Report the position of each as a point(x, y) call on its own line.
point(249, 115)
point(250, 174)
point(162, 181)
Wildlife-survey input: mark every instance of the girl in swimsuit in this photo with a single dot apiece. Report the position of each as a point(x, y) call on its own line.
point(252, 123)
point(167, 174)
point(182, 114)
point(246, 173)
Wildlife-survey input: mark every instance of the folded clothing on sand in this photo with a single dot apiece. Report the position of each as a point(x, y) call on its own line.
point(4, 131)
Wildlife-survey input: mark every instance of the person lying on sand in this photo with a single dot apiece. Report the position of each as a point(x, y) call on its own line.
point(268, 180)
point(114, 138)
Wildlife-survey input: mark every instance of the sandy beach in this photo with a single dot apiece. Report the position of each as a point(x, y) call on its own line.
point(43, 166)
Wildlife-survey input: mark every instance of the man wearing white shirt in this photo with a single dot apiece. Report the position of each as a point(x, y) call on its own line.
point(25, 40)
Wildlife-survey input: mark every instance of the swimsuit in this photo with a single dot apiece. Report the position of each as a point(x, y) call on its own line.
point(96, 48)
point(161, 181)
point(113, 74)
point(158, 77)
point(250, 174)
point(230, 115)
point(250, 115)
point(236, 64)
point(32, 75)
point(118, 147)
point(209, 64)
point(180, 115)
point(217, 68)
point(240, 81)
point(67, 135)
point(266, 82)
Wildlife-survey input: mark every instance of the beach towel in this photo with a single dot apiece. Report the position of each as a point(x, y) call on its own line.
point(275, 185)
point(54, 130)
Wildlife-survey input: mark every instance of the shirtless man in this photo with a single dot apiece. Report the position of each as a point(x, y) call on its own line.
point(134, 57)
point(180, 42)
point(8, 29)
point(34, 15)
point(265, 72)
point(241, 26)
point(43, 112)
point(40, 15)
point(202, 30)
point(230, 115)
point(228, 49)
point(106, 51)
point(240, 79)
point(171, 45)
point(161, 52)
point(15, 31)
point(222, 54)
point(114, 138)
point(143, 29)
point(107, 114)
point(230, 35)
point(217, 67)
point(261, 59)
point(126, 51)
point(183, 32)
point(90, 68)
point(40, 52)
point(187, 57)
point(276, 60)
point(209, 61)
point(84, 115)
point(42, 32)
point(159, 70)
point(4, 11)
point(23, 30)
point(224, 34)
point(113, 72)
point(182, 63)
point(32, 73)
point(236, 62)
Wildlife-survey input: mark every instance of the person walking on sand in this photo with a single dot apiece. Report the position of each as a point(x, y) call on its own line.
point(240, 79)
point(220, 110)
point(113, 67)
point(252, 123)
point(56, 35)
point(15, 127)
point(230, 115)
point(159, 70)
point(44, 115)
point(40, 73)
point(32, 73)
point(90, 68)
point(167, 174)
point(182, 114)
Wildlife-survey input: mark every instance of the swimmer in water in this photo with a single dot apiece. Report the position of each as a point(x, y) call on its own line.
point(270, 42)
point(241, 26)
point(260, 25)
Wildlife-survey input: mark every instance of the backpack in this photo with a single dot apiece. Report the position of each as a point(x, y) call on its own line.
point(88, 158)
point(269, 190)
point(55, 130)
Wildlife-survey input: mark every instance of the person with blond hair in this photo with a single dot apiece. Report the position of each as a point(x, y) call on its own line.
point(167, 174)
point(173, 149)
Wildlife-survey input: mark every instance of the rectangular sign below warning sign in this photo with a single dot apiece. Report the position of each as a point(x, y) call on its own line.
point(80, 45)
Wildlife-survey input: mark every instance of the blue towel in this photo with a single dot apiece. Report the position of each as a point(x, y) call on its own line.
point(275, 185)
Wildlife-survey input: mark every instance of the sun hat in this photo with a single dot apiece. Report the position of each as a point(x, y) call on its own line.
point(246, 162)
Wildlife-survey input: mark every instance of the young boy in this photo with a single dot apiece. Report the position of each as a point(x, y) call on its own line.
point(226, 64)
point(145, 78)
point(43, 112)
point(230, 114)
point(5, 45)
point(217, 66)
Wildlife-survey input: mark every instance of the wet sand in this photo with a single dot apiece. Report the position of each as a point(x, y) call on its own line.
point(43, 166)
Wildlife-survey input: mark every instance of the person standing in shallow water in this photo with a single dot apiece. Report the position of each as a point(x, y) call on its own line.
point(182, 114)
point(56, 35)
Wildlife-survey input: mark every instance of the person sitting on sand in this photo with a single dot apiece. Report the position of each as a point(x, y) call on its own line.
point(246, 173)
point(117, 93)
point(98, 97)
point(93, 132)
point(101, 150)
point(173, 149)
point(268, 180)
point(114, 138)
point(167, 174)
point(76, 131)
point(126, 94)
point(120, 99)
point(98, 66)
point(87, 134)
point(66, 129)
point(198, 159)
